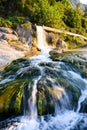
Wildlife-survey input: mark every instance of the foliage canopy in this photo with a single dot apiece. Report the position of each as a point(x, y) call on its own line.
point(54, 13)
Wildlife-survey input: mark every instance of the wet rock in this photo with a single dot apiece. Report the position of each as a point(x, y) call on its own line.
point(60, 47)
point(72, 92)
point(45, 103)
point(11, 98)
point(83, 108)
point(28, 73)
point(61, 93)
point(13, 90)
point(84, 72)
point(57, 51)
point(47, 64)
point(76, 58)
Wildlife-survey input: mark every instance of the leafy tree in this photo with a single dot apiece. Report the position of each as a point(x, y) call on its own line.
point(84, 22)
point(72, 19)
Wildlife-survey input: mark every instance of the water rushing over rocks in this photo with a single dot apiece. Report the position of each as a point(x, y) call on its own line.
point(46, 94)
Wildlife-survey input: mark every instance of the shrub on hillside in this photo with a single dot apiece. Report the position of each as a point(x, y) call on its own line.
point(5, 22)
point(72, 19)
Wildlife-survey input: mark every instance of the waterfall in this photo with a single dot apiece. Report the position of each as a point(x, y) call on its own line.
point(82, 99)
point(41, 41)
point(32, 103)
point(41, 38)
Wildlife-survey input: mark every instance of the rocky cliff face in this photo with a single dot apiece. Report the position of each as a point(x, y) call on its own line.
point(75, 2)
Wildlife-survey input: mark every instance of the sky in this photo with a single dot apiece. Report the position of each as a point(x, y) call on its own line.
point(83, 1)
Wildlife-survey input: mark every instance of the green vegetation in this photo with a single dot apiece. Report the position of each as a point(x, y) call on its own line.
point(12, 21)
point(27, 26)
point(74, 42)
point(11, 97)
point(53, 13)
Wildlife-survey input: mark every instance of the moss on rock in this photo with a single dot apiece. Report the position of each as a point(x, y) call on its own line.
point(11, 97)
point(75, 58)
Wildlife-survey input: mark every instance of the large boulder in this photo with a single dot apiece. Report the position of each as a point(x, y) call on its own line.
point(55, 98)
point(11, 98)
point(56, 90)
point(50, 38)
point(7, 53)
point(12, 47)
point(78, 58)
point(61, 45)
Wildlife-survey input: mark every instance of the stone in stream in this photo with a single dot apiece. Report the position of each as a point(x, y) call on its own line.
point(76, 58)
point(83, 108)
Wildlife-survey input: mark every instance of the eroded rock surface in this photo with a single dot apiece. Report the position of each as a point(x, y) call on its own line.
point(12, 47)
point(78, 58)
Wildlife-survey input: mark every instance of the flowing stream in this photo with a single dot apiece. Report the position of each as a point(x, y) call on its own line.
point(55, 85)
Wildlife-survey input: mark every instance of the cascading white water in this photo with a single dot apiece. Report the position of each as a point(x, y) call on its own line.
point(41, 41)
point(32, 101)
point(64, 117)
point(41, 38)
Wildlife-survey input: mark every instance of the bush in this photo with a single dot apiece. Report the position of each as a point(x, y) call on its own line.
point(74, 42)
point(12, 22)
point(5, 23)
point(84, 22)
point(27, 25)
point(72, 19)
point(16, 20)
